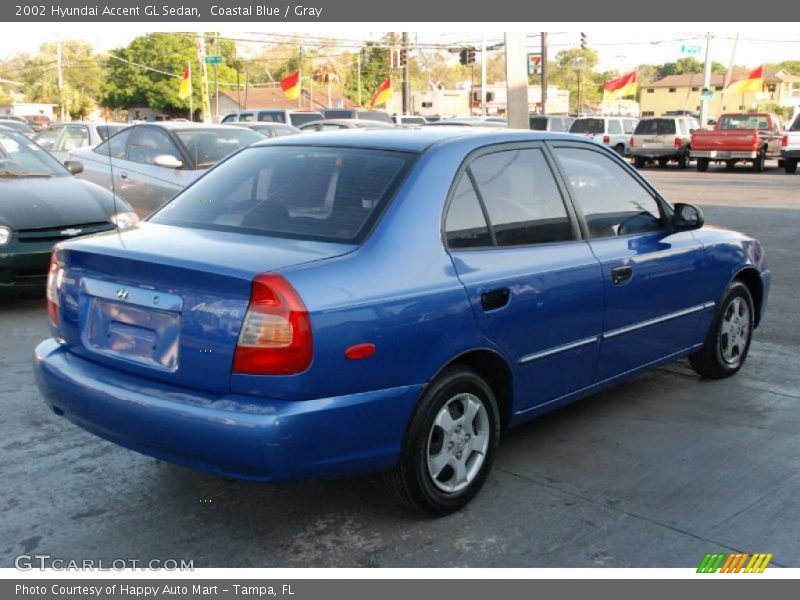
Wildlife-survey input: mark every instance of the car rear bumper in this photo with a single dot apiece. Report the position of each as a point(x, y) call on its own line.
point(652, 153)
point(244, 437)
point(790, 154)
point(724, 154)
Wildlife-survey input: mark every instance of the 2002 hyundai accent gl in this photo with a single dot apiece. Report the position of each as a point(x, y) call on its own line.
point(387, 300)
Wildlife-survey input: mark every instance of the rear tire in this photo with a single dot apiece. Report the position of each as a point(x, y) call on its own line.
point(639, 162)
point(730, 164)
point(702, 164)
point(683, 161)
point(620, 149)
point(729, 337)
point(662, 162)
point(760, 161)
point(449, 446)
point(790, 165)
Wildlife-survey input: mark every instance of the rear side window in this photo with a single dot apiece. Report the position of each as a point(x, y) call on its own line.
point(519, 196)
point(339, 114)
point(327, 194)
point(374, 116)
point(538, 123)
point(613, 203)
point(614, 126)
point(273, 116)
point(465, 225)
point(587, 126)
point(298, 119)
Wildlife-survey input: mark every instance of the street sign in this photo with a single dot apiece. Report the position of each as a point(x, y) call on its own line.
point(691, 50)
point(213, 60)
point(534, 62)
point(707, 94)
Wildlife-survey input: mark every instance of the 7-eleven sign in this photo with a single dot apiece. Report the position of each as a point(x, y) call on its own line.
point(534, 63)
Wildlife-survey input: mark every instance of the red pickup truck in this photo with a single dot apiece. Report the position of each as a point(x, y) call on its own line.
point(751, 137)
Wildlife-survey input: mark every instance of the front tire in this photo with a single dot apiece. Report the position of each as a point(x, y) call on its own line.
point(683, 161)
point(449, 446)
point(639, 162)
point(790, 165)
point(729, 337)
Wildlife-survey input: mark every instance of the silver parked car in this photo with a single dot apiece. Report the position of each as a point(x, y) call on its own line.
point(336, 124)
point(62, 138)
point(613, 132)
point(662, 139)
point(148, 164)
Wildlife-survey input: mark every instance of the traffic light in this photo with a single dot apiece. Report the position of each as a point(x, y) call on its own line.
point(470, 56)
point(403, 58)
point(463, 56)
point(583, 41)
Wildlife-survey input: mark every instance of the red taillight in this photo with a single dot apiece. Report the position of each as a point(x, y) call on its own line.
point(606, 139)
point(785, 141)
point(276, 335)
point(54, 277)
point(630, 142)
point(678, 143)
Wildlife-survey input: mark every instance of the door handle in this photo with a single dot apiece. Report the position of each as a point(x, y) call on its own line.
point(620, 275)
point(494, 299)
point(123, 175)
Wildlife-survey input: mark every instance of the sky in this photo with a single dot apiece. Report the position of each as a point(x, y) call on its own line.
point(620, 46)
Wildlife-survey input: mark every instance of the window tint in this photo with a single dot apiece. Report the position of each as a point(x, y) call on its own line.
point(339, 114)
point(148, 143)
point(247, 117)
point(629, 125)
point(105, 131)
point(538, 123)
point(614, 126)
point(209, 146)
point(611, 200)
point(521, 198)
point(656, 127)
point(116, 145)
point(744, 122)
point(587, 126)
point(300, 118)
point(274, 116)
point(229, 119)
point(465, 225)
point(370, 115)
point(328, 194)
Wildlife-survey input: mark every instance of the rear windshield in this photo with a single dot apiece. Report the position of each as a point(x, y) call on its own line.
point(302, 118)
point(339, 114)
point(796, 125)
point(308, 193)
point(209, 146)
point(538, 123)
point(374, 116)
point(273, 116)
point(744, 122)
point(655, 127)
point(588, 126)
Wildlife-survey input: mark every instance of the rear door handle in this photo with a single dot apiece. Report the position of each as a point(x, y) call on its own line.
point(123, 175)
point(620, 275)
point(494, 299)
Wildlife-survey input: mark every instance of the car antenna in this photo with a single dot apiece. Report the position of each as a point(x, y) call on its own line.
point(111, 174)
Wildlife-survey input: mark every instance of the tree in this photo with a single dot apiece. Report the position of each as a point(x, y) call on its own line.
point(573, 70)
point(328, 72)
point(147, 72)
point(374, 70)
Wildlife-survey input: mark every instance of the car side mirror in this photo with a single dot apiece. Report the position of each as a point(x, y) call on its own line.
point(167, 161)
point(687, 217)
point(75, 167)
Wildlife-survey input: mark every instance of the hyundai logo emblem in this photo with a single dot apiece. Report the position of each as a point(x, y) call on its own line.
point(123, 294)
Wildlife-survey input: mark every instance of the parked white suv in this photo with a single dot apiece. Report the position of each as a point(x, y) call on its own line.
point(662, 139)
point(790, 146)
point(611, 131)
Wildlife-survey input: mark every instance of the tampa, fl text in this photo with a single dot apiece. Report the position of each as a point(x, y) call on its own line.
point(166, 10)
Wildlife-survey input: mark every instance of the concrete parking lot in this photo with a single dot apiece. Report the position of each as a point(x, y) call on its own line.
point(655, 472)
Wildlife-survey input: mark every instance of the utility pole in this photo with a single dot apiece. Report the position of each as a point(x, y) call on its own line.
point(216, 77)
point(483, 74)
point(60, 79)
point(191, 92)
point(544, 72)
point(516, 81)
point(359, 76)
point(300, 80)
point(406, 80)
point(706, 83)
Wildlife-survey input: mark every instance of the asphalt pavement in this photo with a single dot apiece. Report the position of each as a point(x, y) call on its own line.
point(653, 473)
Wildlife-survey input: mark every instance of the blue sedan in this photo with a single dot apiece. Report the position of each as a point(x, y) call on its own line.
point(335, 304)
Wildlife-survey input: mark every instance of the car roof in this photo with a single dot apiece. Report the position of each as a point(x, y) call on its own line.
point(180, 126)
point(90, 123)
point(415, 139)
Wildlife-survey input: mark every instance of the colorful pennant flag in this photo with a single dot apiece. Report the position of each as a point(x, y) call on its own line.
point(383, 94)
point(620, 87)
point(185, 90)
point(754, 82)
point(291, 85)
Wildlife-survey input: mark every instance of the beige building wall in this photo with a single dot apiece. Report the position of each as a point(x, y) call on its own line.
point(662, 99)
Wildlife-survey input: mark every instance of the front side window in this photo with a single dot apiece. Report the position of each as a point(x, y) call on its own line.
point(76, 136)
point(116, 146)
point(612, 202)
point(328, 194)
point(465, 225)
point(48, 139)
point(149, 143)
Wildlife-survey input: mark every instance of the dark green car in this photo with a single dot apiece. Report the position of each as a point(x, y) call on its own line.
point(41, 204)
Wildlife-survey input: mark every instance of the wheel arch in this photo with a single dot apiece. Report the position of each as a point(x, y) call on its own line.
point(495, 369)
point(749, 277)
